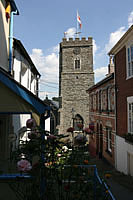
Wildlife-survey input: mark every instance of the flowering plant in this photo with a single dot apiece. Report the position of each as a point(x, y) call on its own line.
point(80, 126)
point(30, 123)
point(80, 140)
point(24, 165)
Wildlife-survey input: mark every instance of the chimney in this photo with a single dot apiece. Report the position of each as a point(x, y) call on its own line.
point(111, 65)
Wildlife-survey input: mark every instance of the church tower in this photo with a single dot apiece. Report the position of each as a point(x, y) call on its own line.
point(75, 77)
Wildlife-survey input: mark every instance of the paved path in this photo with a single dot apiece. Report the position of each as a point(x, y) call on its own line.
point(120, 185)
point(119, 191)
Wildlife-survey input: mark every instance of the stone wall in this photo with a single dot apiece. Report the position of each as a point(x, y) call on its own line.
point(75, 82)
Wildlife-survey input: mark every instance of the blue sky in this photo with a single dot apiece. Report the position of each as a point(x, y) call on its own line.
point(41, 26)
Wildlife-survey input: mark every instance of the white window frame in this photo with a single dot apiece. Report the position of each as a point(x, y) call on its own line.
point(109, 139)
point(130, 61)
point(100, 100)
point(130, 114)
point(108, 98)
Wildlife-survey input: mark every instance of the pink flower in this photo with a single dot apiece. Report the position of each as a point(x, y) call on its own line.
point(58, 155)
point(30, 123)
point(24, 165)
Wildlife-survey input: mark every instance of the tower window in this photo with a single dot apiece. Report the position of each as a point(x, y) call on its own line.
point(77, 64)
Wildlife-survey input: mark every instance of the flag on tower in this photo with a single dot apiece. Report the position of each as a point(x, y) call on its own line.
point(79, 20)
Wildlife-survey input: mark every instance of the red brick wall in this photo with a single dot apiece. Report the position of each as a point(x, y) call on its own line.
point(103, 117)
point(124, 89)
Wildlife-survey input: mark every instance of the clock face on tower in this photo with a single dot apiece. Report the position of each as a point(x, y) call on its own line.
point(76, 50)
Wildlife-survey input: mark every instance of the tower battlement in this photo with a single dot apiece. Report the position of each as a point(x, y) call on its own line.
point(76, 41)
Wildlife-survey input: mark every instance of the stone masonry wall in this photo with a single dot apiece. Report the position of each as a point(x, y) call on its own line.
point(75, 82)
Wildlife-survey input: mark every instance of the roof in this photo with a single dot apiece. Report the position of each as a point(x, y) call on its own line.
point(18, 44)
point(121, 42)
point(22, 92)
point(13, 6)
point(55, 103)
point(52, 103)
point(109, 77)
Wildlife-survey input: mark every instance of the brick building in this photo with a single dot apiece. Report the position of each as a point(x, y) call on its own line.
point(102, 114)
point(123, 61)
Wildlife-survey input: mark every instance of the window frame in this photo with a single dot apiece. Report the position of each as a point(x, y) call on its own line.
point(130, 61)
point(77, 63)
point(109, 139)
point(130, 115)
point(77, 120)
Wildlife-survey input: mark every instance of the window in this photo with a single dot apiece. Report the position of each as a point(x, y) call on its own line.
point(130, 61)
point(77, 63)
point(78, 120)
point(99, 103)
point(91, 102)
point(109, 138)
point(108, 99)
point(130, 116)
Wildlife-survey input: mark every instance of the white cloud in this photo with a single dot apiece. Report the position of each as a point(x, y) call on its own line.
point(114, 37)
point(95, 48)
point(70, 33)
point(56, 49)
point(43, 94)
point(130, 19)
point(100, 72)
point(48, 66)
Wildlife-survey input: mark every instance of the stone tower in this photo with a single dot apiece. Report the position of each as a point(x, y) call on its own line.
point(75, 77)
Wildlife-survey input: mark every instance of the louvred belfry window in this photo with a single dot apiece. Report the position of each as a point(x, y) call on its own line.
point(77, 63)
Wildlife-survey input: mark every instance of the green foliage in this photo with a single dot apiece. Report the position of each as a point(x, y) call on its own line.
point(59, 166)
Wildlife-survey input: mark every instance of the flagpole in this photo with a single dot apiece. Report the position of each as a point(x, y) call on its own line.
point(78, 22)
point(77, 25)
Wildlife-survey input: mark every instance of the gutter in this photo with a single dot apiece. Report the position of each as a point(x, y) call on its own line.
point(14, 11)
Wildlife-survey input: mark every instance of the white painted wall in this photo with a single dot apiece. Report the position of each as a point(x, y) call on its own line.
point(47, 124)
point(20, 63)
point(19, 121)
point(33, 86)
point(4, 37)
point(17, 68)
point(122, 150)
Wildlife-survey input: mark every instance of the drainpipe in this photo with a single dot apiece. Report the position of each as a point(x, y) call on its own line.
point(11, 40)
point(115, 112)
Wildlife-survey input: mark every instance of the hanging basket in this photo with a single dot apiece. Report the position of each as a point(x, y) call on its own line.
point(80, 140)
point(71, 129)
point(88, 131)
point(91, 126)
point(80, 126)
